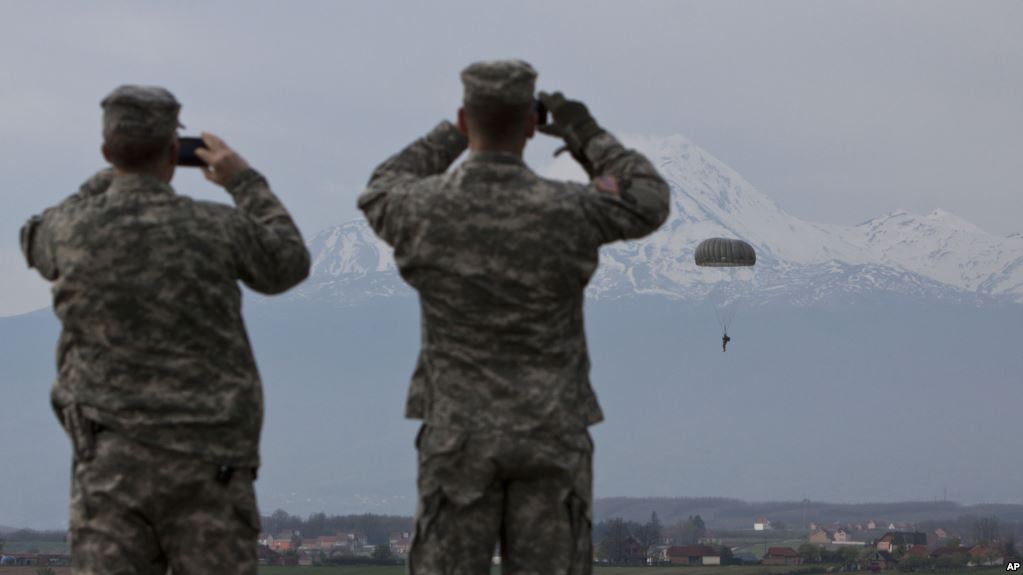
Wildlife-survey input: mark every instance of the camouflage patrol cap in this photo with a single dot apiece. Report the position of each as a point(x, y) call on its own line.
point(141, 112)
point(506, 81)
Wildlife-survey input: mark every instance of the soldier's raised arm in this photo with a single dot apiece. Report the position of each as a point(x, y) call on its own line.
point(36, 246)
point(272, 257)
point(36, 235)
point(391, 181)
point(628, 198)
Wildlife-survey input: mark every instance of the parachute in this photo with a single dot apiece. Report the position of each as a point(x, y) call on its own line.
point(726, 253)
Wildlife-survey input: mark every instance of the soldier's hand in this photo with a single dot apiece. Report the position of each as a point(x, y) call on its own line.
point(571, 121)
point(222, 163)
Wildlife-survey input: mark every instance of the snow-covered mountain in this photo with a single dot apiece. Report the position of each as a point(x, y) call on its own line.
point(937, 256)
point(350, 265)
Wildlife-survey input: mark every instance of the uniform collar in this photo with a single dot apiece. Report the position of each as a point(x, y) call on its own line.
point(491, 157)
point(133, 183)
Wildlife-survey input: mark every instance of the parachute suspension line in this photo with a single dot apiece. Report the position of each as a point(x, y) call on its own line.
point(726, 315)
point(730, 314)
point(721, 320)
point(725, 253)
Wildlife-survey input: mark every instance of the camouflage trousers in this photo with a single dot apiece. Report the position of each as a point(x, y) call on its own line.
point(139, 510)
point(531, 494)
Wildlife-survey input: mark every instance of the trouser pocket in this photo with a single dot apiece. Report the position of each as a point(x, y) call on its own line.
point(582, 542)
point(82, 432)
point(423, 555)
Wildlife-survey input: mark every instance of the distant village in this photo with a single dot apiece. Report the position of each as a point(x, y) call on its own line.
point(867, 546)
point(870, 546)
point(873, 546)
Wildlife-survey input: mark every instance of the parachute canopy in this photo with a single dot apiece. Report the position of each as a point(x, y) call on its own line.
point(725, 253)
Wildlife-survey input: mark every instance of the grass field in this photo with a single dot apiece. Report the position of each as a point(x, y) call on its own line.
point(728, 570)
point(400, 570)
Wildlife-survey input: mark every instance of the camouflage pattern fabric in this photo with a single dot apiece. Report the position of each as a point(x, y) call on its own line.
point(530, 493)
point(137, 510)
point(500, 258)
point(145, 284)
point(142, 112)
point(506, 81)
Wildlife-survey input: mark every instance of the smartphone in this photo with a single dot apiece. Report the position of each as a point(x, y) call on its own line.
point(186, 153)
point(541, 113)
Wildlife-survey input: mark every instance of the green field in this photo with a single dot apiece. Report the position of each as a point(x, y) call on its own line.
point(400, 570)
point(346, 570)
point(728, 570)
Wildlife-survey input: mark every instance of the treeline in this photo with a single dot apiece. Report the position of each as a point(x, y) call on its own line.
point(618, 541)
point(725, 513)
point(977, 529)
point(376, 528)
point(33, 535)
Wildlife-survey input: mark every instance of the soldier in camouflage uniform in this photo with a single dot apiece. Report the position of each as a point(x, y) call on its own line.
point(157, 386)
point(500, 258)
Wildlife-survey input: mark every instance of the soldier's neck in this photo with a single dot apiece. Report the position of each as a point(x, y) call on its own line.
point(506, 147)
point(159, 173)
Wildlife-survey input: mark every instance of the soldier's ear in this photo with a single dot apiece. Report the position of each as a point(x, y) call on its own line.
point(462, 126)
point(531, 120)
point(172, 160)
point(106, 153)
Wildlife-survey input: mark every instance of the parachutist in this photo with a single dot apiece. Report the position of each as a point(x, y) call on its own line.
point(725, 253)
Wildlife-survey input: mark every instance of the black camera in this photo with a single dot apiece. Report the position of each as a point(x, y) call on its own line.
point(186, 152)
point(541, 113)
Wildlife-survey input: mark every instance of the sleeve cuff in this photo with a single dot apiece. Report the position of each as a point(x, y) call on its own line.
point(239, 183)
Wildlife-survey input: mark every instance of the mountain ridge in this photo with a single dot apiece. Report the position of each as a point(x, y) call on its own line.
point(938, 255)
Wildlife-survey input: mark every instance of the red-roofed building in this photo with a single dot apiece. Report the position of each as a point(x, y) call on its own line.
point(267, 556)
point(400, 543)
point(985, 555)
point(782, 556)
point(281, 545)
point(694, 555)
point(918, 551)
point(951, 552)
point(893, 540)
point(328, 541)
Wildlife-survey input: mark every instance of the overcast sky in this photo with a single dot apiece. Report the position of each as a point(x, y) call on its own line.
point(841, 111)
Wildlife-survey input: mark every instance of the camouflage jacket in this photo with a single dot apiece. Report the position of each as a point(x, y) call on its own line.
point(500, 258)
point(145, 283)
